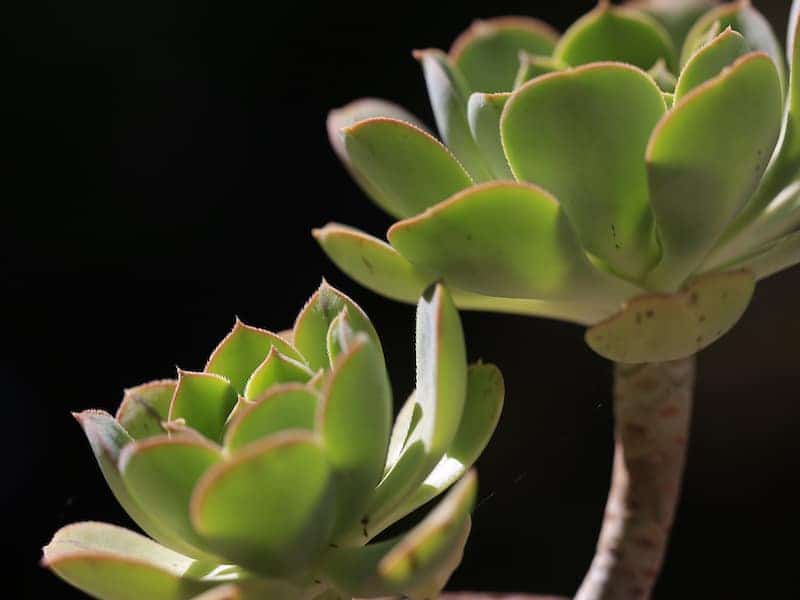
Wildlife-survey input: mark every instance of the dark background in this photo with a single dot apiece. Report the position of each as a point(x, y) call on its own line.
point(165, 162)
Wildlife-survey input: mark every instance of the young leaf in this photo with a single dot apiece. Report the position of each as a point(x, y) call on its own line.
point(282, 407)
point(204, 400)
point(145, 407)
point(276, 368)
point(242, 350)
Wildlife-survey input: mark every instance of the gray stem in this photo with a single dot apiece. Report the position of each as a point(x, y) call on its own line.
point(652, 411)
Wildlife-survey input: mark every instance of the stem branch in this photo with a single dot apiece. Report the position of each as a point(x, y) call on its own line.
point(652, 410)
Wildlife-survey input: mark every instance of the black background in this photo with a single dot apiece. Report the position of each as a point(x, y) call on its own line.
point(164, 164)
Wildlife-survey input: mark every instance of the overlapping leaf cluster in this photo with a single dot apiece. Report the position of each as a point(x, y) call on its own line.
point(648, 156)
point(267, 474)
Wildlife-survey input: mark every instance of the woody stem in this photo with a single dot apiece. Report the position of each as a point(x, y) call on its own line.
point(652, 411)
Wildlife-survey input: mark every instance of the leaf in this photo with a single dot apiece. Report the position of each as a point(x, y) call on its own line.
point(421, 552)
point(615, 33)
point(784, 166)
point(145, 407)
point(676, 16)
point(400, 565)
point(405, 422)
point(482, 409)
point(353, 421)
point(276, 368)
point(161, 473)
point(270, 507)
point(502, 239)
point(372, 262)
point(661, 327)
point(594, 121)
point(710, 60)
point(441, 371)
point(772, 257)
point(409, 169)
point(704, 160)
point(340, 336)
point(242, 350)
point(664, 79)
point(379, 267)
point(107, 439)
point(743, 17)
point(487, 53)
point(360, 110)
point(281, 407)
point(532, 66)
point(448, 93)
point(311, 325)
point(483, 112)
point(204, 400)
point(113, 563)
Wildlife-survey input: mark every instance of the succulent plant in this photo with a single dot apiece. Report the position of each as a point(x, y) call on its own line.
point(607, 176)
point(637, 174)
point(269, 473)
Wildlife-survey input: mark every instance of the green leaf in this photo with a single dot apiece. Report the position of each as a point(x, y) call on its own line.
point(405, 422)
point(615, 33)
point(420, 555)
point(778, 218)
point(145, 407)
point(380, 268)
point(204, 400)
point(710, 60)
point(312, 324)
point(113, 563)
point(410, 169)
point(107, 439)
point(487, 53)
point(441, 371)
point(503, 239)
point(270, 507)
point(360, 110)
point(743, 17)
point(483, 111)
point(532, 66)
point(704, 160)
point(161, 473)
point(282, 407)
point(353, 421)
point(663, 77)
point(482, 409)
point(591, 129)
point(773, 257)
point(660, 327)
point(676, 16)
point(242, 350)
point(276, 368)
point(426, 555)
point(372, 262)
point(448, 92)
point(340, 336)
point(784, 167)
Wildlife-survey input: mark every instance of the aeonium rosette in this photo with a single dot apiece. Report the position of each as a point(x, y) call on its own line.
point(269, 473)
point(637, 174)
